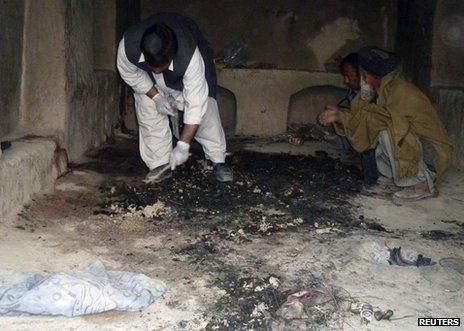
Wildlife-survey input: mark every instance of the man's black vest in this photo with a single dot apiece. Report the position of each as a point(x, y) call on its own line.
point(188, 38)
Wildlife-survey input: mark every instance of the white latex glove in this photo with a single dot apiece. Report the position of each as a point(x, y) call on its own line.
point(179, 154)
point(162, 105)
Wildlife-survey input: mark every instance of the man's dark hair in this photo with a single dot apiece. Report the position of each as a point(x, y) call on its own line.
point(351, 59)
point(159, 45)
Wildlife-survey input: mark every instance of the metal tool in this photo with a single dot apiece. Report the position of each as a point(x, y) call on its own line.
point(175, 125)
point(174, 118)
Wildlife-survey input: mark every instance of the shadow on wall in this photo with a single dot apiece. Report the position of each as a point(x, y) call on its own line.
point(227, 109)
point(306, 104)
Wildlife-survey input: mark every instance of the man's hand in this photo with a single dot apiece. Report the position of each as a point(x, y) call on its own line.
point(162, 105)
point(179, 154)
point(330, 115)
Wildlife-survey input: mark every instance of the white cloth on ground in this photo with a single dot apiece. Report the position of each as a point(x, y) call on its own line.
point(78, 292)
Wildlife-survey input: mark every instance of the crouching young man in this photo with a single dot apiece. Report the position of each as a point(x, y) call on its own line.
point(169, 65)
point(396, 118)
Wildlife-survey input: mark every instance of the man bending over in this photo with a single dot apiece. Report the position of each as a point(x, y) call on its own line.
point(169, 65)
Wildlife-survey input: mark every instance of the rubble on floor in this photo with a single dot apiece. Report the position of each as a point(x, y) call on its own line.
point(270, 193)
point(233, 254)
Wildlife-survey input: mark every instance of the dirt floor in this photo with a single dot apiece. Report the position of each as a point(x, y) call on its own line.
point(231, 254)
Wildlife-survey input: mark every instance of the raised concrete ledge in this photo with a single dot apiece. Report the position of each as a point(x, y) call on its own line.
point(263, 95)
point(29, 166)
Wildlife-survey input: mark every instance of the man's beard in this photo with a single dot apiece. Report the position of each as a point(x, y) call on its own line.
point(367, 91)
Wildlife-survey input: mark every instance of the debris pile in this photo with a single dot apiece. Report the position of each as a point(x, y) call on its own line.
point(248, 303)
point(382, 254)
point(299, 133)
point(149, 211)
point(418, 260)
point(367, 312)
point(270, 193)
point(314, 307)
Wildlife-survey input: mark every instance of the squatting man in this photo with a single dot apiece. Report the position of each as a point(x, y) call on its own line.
point(351, 78)
point(169, 65)
point(392, 116)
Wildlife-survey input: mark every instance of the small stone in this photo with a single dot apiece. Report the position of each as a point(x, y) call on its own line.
point(274, 281)
point(259, 288)
point(323, 230)
point(259, 309)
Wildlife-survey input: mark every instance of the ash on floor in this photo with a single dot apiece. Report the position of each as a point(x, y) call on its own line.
point(270, 193)
point(280, 248)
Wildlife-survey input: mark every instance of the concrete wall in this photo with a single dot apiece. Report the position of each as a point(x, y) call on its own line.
point(127, 13)
point(25, 169)
point(448, 44)
point(92, 97)
point(227, 104)
point(447, 74)
point(263, 96)
point(43, 107)
point(11, 36)
point(104, 34)
point(58, 80)
point(306, 104)
point(70, 88)
point(414, 39)
point(430, 40)
point(291, 34)
point(450, 105)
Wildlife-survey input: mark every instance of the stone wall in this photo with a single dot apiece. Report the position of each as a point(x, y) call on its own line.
point(11, 36)
point(290, 34)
